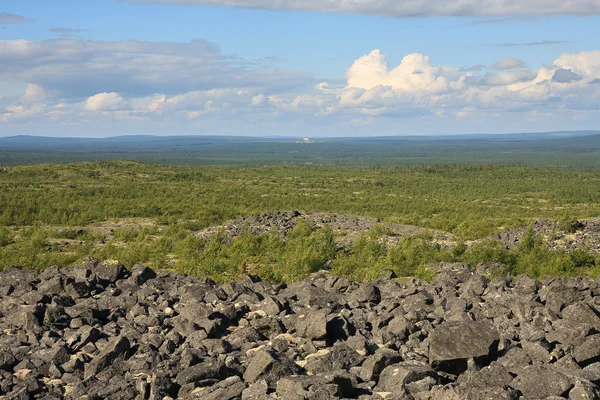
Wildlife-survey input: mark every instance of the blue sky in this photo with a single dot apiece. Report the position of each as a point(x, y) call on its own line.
point(103, 67)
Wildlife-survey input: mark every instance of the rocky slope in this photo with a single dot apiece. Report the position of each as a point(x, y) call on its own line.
point(585, 234)
point(99, 331)
point(345, 227)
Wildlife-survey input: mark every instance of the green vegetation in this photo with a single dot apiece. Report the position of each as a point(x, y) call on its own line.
point(567, 150)
point(141, 213)
point(469, 201)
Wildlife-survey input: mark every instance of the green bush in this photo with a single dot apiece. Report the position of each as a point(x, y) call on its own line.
point(6, 236)
point(569, 224)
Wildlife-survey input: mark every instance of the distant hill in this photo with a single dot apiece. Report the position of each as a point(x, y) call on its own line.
point(575, 150)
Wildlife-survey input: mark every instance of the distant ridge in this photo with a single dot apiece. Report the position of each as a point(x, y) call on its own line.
point(138, 138)
point(562, 149)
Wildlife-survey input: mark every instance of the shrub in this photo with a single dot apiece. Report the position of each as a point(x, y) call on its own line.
point(6, 236)
point(569, 224)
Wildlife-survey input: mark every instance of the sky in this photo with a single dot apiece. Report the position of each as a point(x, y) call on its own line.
point(308, 68)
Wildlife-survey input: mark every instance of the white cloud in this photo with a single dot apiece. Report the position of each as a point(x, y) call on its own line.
point(508, 63)
point(506, 78)
point(34, 93)
point(414, 8)
point(373, 88)
point(71, 82)
point(415, 72)
point(104, 102)
point(82, 68)
point(259, 99)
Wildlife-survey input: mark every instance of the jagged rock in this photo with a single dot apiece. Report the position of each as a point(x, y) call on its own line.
point(206, 370)
point(396, 376)
point(588, 352)
point(109, 272)
point(228, 389)
point(99, 331)
point(541, 382)
point(341, 356)
point(581, 314)
point(376, 363)
point(7, 359)
point(584, 391)
point(270, 367)
point(118, 348)
point(141, 274)
point(313, 325)
point(454, 343)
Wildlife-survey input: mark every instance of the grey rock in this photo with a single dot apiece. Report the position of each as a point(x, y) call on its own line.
point(376, 363)
point(270, 367)
point(228, 389)
point(588, 352)
point(584, 391)
point(396, 376)
point(141, 274)
point(456, 341)
point(210, 369)
point(542, 381)
point(340, 357)
point(117, 349)
point(313, 325)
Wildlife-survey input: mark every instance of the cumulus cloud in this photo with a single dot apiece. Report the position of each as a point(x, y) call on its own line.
point(564, 75)
point(508, 77)
point(259, 99)
point(416, 8)
point(34, 94)
point(374, 88)
point(104, 102)
point(7, 19)
point(72, 81)
point(508, 63)
point(415, 72)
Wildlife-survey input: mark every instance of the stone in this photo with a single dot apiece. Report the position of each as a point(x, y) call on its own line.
point(7, 359)
point(141, 274)
point(584, 391)
point(588, 352)
point(270, 367)
point(542, 381)
point(109, 272)
point(313, 325)
point(117, 349)
point(340, 357)
point(210, 369)
point(581, 314)
point(453, 343)
point(376, 363)
point(228, 389)
point(396, 376)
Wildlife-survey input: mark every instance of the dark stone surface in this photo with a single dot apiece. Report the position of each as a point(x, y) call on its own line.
point(99, 331)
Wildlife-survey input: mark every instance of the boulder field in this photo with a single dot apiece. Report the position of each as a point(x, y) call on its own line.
point(100, 331)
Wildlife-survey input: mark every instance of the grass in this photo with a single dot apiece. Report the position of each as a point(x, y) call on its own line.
point(59, 214)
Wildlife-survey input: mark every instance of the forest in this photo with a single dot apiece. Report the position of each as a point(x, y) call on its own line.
point(566, 150)
point(59, 214)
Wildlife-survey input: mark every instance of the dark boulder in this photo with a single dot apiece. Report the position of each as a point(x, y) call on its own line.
point(453, 343)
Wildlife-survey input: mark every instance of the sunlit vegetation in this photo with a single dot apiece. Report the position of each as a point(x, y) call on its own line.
point(60, 214)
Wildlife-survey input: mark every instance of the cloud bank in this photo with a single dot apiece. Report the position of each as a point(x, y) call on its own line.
point(70, 81)
point(415, 8)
